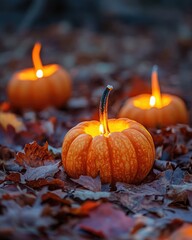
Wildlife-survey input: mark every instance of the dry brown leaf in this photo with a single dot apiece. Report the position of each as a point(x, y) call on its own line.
point(39, 183)
point(93, 184)
point(15, 177)
point(34, 155)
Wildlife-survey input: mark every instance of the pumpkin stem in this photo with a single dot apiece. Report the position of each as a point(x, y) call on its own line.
point(103, 111)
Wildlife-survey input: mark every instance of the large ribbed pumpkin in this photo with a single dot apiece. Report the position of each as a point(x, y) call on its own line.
point(39, 87)
point(119, 150)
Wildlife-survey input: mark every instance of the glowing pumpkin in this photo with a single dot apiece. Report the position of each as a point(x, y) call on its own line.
point(39, 87)
point(156, 110)
point(117, 149)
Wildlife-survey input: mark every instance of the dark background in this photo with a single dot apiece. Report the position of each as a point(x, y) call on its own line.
point(21, 15)
point(110, 39)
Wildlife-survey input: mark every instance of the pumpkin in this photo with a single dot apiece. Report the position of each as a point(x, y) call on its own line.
point(156, 110)
point(171, 114)
point(39, 87)
point(119, 150)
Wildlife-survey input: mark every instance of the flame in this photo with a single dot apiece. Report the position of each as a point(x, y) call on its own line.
point(152, 101)
point(39, 73)
point(37, 61)
point(101, 129)
point(155, 99)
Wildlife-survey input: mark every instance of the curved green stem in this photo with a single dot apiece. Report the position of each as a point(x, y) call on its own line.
point(103, 110)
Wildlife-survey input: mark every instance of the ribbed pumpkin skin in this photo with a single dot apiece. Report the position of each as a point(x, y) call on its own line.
point(173, 113)
point(125, 156)
point(54, 90)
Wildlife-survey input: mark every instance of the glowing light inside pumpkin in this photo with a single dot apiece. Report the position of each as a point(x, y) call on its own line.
point(101, 129)
point(147, 101)
point(95, 128)
point(37, 61)
point(39, 73)
point(152, 101)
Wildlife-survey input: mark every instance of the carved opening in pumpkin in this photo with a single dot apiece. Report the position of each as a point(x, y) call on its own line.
point(29, 74)
point(115, 125)
point(143, 101)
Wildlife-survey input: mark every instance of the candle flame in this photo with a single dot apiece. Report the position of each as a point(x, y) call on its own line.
point(155, 100)
point(37, 60)
point(39, 73)
point(101, 129)
point(152, 101)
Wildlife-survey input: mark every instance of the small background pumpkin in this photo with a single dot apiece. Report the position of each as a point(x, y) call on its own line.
point(156, 110)
point(27, 91)
point(173, 113)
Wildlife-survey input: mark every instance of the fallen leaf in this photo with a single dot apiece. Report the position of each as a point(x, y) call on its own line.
point(93, 184)
point(7, 119)
point(41, 182)
point(180, 194)
point(6, 153)
point(178, 213)
point(34, 155)
point(22, 199)
point(15, 177)
point(86, 194)
point(26, 218)
point(108, 222)
point(85, 208)
point(41, 172)
point(54, 198)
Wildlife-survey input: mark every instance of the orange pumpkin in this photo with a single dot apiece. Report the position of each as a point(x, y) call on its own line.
point(156, 110)
point(39, 87)
point(120, 150)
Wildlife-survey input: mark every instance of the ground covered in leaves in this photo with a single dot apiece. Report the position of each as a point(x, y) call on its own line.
point(37, 199)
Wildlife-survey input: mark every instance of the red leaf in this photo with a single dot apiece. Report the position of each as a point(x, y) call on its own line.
point(49, 196)
point(56, 183)
point(107, 221)
point(15, 177)
point(85, 208)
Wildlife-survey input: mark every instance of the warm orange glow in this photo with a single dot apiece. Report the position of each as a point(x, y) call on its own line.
point(152, 101)
point(101, 129)
point(94, 128)
point(156, 101)
point(29, 74)
point(146, 101)
point(39, 73)
point(37, 61)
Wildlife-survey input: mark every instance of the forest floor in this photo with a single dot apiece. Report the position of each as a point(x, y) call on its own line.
point(37, 199)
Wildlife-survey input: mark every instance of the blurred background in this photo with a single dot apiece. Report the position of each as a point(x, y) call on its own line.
point(102, 40)
point(20, 15)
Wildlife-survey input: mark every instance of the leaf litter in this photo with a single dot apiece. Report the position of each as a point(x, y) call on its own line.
point(39, 201)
